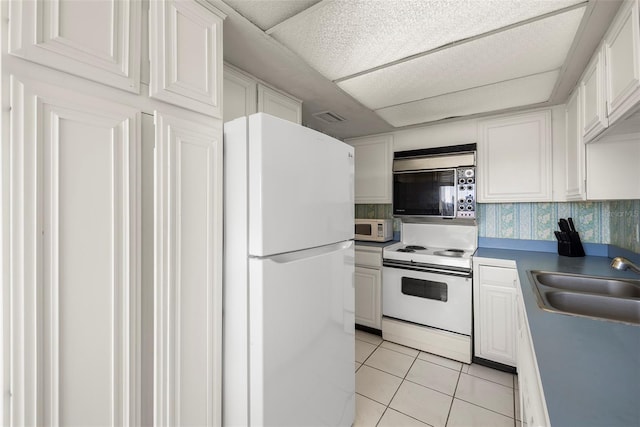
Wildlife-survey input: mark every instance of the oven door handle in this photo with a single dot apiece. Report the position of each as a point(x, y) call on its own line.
point(427, 268)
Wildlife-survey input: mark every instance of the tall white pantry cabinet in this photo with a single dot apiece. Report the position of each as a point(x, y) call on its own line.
point(111, 188)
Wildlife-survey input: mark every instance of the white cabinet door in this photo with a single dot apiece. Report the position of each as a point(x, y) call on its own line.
point(514, 158)
point(97, 40)
point(373, 175)
point(75, 245)
point(185, 43)
point(494, 314)
point(240, 94)
point(368, 294)
point(279, 105)
point(574, 150)
point(622, 51)
point(188, 276)
point(592, 87)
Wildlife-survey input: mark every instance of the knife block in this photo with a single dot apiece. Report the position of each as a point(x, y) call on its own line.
point(570, 245)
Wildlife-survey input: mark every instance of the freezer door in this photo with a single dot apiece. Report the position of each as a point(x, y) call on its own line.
point(300, 187)
point(301, 338)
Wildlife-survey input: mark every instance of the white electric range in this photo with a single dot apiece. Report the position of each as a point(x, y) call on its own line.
point(427, 288)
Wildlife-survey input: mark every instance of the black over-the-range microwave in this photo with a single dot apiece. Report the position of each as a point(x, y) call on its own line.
point(435, 182)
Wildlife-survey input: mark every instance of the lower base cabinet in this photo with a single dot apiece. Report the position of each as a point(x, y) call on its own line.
point(368, 286)
point(494, 293)
point(501, 332)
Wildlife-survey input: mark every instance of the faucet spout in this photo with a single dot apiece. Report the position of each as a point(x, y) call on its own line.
point(621, 263)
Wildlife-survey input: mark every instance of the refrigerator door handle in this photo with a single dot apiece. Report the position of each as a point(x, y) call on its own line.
point(308, 253)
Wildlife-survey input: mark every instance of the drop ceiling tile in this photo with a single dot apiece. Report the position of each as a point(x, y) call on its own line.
point(341, 38)
point(525, 50)
point(268, 13)
point(513, 93)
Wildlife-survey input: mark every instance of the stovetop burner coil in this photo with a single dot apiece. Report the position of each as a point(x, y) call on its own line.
point(415, 247)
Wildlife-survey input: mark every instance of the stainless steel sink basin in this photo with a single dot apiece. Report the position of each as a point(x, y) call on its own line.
point(619, 309)
point(595, 297)
point(596, 285)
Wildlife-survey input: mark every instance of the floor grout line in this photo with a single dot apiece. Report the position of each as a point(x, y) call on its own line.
point(453, 397)
point(396, 392)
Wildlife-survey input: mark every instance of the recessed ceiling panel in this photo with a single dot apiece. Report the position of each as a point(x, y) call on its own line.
point(342, 38)
point(521, 51)
point(499, 96)
point(268, 13)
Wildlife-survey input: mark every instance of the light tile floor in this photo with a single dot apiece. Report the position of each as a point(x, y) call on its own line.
point(399, 386)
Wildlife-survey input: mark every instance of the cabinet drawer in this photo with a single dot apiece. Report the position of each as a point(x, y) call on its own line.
point(498, 276)
point(369, 258)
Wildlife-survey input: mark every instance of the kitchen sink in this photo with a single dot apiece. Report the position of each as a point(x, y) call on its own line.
point(595, 297)
point(596, 285)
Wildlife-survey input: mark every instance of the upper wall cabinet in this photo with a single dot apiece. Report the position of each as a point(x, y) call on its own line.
point(244, 95)
point(622, 59)
point(574, 150)
point(610, 85)
point(185, 42)
point(592, 86)
point(97, 40)
point(240, 94)
point(277, 104)
point(373, 175)
point(514, 158)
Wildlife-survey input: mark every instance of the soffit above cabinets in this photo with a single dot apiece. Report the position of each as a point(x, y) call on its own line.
point(418, 61)
point(267, 13)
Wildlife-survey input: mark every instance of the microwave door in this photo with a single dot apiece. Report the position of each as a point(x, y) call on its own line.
point(425, 193)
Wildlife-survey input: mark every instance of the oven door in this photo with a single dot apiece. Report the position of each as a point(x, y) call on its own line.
point(431, 299)
point(425, 193)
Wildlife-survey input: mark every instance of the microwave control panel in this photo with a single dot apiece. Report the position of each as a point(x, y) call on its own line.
point(466, 192)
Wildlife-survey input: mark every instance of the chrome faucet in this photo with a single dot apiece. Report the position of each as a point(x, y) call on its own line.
point(620, 263)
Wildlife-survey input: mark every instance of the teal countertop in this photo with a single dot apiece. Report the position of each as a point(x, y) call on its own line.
point(590, 369)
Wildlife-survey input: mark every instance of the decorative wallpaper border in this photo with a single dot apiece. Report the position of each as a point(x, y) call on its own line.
point(609, 222)
point(537, 221)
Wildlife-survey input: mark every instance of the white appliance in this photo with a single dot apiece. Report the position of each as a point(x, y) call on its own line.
point(374, 230)
point(427, 292)
point(288, 311)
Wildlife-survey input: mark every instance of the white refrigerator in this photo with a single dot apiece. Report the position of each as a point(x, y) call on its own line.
point(288, 310)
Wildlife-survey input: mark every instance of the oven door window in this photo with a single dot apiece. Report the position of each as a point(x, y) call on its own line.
point(427, 289)
point(429, 193)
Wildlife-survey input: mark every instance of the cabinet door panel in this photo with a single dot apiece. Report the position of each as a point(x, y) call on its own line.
point(367, 291)
point(186, 55)
point(574, 151)
point(240, 94)
point(97, 40)
point(78, 302)
point(188, 288)
point(373, 175)
point(622, 47)
point(592, 87)
point(498, 324)
point(514, 158)
point(279, 105)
